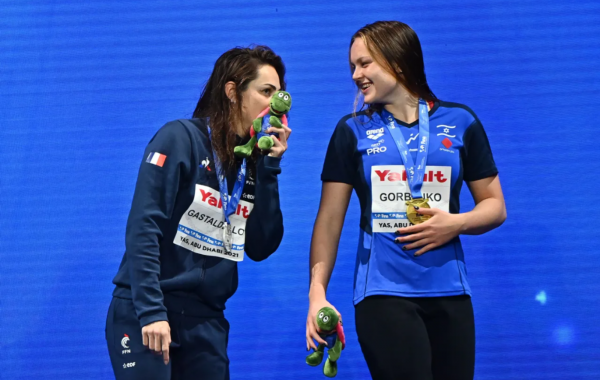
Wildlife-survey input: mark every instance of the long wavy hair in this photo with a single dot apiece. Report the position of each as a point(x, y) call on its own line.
point(397, 49)
point(238, 65)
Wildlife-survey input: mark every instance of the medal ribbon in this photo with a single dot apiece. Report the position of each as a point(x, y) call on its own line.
point(415, 176)
point(229, 205)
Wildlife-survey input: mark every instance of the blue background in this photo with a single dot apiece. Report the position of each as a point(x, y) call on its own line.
point(85, 85)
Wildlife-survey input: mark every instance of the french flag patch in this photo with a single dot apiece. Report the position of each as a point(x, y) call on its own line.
point(157, 159)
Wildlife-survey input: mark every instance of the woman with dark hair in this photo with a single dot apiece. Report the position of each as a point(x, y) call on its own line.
point(185, 234)
point(406, 156)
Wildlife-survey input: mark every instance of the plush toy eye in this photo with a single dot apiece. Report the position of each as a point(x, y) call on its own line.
point(286, 98)
point(326, 319)
point(281, 94)
point(321, 314)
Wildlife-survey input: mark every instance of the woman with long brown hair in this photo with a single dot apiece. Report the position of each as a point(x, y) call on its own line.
point(406, 155)
point(196, 210)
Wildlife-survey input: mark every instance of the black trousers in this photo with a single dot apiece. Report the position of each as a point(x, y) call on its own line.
point(198, 347)
point(417, 338)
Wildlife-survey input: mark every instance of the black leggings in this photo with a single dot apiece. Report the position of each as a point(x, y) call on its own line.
point(417, 338)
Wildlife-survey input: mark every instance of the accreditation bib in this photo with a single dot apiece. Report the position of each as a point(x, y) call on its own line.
point(390, 192)
point(201, 227)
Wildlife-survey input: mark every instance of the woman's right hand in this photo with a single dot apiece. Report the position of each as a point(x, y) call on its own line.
point(280, 144)
point(311, 321)
point(157, 337)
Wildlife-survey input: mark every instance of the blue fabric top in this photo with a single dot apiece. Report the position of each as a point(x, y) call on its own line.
point(363, 154)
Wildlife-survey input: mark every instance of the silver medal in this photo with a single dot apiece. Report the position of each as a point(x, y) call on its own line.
point(227, 236)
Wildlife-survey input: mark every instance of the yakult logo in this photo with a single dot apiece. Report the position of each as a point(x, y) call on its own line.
point(374, 134)
point(390, 176)
point(208, 198)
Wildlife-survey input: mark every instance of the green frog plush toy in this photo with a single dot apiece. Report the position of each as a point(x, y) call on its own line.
point(272, 116)
point(332, 332)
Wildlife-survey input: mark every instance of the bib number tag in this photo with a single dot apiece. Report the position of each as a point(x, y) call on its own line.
point(390, 194)
point(202, 229)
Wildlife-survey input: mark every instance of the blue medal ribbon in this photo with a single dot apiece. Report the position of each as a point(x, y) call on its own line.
point(415, 173)
point(229, 205)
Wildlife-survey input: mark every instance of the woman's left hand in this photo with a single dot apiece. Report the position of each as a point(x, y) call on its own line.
point(437, 231)
point(280, 144)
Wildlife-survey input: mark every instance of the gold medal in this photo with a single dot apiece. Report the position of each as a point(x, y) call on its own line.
point(411, 213)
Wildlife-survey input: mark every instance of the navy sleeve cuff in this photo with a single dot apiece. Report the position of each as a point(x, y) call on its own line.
point(485, 174)
point(272, 162)
point(330, 178)
point(160, 316)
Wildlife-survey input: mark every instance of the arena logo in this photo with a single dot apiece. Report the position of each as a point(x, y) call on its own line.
point(374, 134)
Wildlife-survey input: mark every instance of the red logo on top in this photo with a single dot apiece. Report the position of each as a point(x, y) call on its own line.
point(447, 143)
